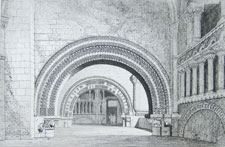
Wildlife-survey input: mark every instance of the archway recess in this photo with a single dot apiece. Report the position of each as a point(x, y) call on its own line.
point(91, 83)
point(102, 50)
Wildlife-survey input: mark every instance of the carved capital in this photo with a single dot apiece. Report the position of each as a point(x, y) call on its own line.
point(219, 47)
point(181, 70)
point(133, 79)
point(194, 65)
point(210, 56)
point(194, 9)
point(220, 53)
point(198, 10)
point(201, 59)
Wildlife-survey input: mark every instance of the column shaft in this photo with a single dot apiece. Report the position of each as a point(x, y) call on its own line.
point(90, 103)
point(78, 108)
point(182, 84)
point(210, 75)
point(188, 79)
point(133, 79)
point(86, 105)
point(201, 78)
point(222, 8)
point(189, 34)
point(194, 80)
point(197, 27)
point(220, 71)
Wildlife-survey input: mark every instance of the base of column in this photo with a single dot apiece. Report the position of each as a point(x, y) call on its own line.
point(210, 92)
point(165, 125)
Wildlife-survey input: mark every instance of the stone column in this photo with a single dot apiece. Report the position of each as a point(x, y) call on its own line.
point(90, 107)
point(210, 73)
point(134, 81)
point(188, 82)
point(89, 94)
point(189, 33)
point(221, 70)
point(83, 107)
point(78, 108)
point(222, 2)
point(86, 106)
point(201, 76)
point(97, 99)
point(194, 79)
point(96, 102)
point(197, 23)
point(182, 84)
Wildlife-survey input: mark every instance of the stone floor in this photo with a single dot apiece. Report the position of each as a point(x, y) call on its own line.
point(105, 136)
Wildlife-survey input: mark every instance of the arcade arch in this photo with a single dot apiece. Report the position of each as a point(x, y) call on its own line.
point(102, 50)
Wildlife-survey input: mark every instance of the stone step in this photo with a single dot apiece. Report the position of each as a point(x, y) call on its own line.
point(91, 130)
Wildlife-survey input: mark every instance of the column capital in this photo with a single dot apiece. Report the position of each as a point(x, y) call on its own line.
point(133, 79)
point(193, 65)
point(219, 47)
point(194, 9)
point(188, 69)
point(182, 70)
point(221, 53)
point(200, 59)
point(198, 10)
point(210, 56)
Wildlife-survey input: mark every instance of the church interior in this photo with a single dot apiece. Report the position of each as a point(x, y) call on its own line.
point(123, 69)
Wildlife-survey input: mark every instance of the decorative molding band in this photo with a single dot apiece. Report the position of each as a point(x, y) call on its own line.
point(202, 97)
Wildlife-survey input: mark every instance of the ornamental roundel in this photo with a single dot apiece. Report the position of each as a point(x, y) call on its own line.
point(196, 108)
point(102, 49)
point(91, 83)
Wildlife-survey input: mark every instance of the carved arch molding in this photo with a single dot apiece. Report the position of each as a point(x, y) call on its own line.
point(196, 108)
point(89, 83)
point(104, 49)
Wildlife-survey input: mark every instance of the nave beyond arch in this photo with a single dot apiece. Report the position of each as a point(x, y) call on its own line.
point(90, 99)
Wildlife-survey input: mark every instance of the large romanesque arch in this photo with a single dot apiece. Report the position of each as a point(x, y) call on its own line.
point(89, 83)
point(102, 50)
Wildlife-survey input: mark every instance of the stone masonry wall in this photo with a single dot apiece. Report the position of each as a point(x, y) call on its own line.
point(19, 71)
point(59, 22)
